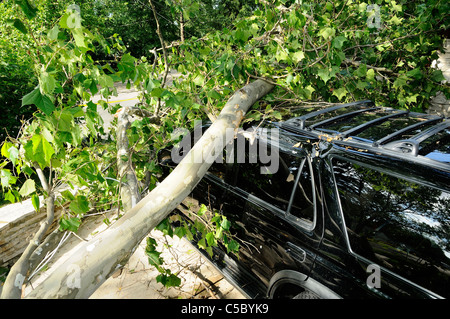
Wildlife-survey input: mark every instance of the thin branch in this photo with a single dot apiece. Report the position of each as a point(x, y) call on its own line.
point(13, 285)
point(166, 65)
point(378, 69)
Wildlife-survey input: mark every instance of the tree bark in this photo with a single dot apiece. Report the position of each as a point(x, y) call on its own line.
point(129, 189)
point(97, 259)
point(181, 27)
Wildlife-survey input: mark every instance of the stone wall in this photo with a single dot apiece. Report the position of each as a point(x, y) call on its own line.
point(439, 104)
point(18, 224)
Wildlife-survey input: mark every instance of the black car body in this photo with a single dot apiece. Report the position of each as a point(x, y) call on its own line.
point(359, 206)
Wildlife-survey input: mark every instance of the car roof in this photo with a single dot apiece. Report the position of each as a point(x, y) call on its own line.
point(417, 137)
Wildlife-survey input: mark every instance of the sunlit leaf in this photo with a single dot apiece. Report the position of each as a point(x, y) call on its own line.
point(27, 188)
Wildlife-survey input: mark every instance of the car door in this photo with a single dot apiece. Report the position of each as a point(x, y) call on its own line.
point(387, 236)
point(277, 222)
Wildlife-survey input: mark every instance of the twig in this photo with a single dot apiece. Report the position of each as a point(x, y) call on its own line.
point(166, 65)
point(378, 69)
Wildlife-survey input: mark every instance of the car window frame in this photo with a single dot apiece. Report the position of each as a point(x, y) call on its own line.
point(308, 225)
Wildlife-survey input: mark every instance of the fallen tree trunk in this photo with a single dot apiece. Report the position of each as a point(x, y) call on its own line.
point(96, 260)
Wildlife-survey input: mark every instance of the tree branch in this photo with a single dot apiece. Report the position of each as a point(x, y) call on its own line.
point(166, 65)
point(96, 260)
point(378, 69)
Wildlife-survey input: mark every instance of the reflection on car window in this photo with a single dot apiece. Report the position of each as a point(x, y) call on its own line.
point(276, 188)
point(273, 187)
point(397, 224)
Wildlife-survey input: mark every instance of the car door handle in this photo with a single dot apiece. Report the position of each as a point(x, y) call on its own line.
point(296, 252)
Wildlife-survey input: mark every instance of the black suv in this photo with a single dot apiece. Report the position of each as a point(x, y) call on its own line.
point(358, 207)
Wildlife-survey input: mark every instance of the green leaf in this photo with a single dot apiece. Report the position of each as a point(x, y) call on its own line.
point(281, 54)
point(27, 8)
point(401, 81)
point(18, 24)
point(27, 188)
point(180, 232)
point(9, 196)
point(153, 258)
point(78, 36)
point(11, 152)
point(165, 227)
point(395, 20)
point(325, 74)
point(396, 7)
point(35, 202)
point(214, 94)
point(370, 75)
point(53, 33)
point(307, 92)
point(47, 83)
point(4, 149)
point(242, 35)
point(340, 93)
point(415, 73)
point(233, 246)
point(106, 81)
point(67, 195)
point(152, 84)
point(338, 42)
point(201, 243)
point(361, 71)
point(412, 98)
point(361, 85)
point(6, 177)
point(151, 243)
point(209, 250)
point(39, 150)
point(202, 210)
point(69, 223)
point(199, 80)
point(226, 224)
point(437, 76)
point(43, 102)
point(296, 19)
point(157, 92)
point(80, 205)
point(210, 239)
point(298, 56)
point(168, 281)
point(327, 32)
point(329, 7)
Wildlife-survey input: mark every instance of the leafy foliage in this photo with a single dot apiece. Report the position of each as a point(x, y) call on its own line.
point(208, 230)
point(53, 140)
point(57, 56)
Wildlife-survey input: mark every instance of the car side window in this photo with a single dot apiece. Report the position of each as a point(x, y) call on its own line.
point(272, 187)
point(302, 207)
point(398, 224)
point(277, 187)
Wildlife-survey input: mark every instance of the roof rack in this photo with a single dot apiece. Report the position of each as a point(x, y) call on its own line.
point(392, 143)
point(302, 119)
point(390, 137)
point(341, 117)
point(411, 145)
